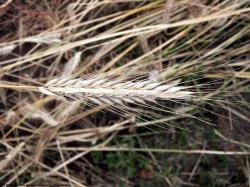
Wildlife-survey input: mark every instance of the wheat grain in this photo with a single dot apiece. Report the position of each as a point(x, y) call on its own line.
point(114, 92)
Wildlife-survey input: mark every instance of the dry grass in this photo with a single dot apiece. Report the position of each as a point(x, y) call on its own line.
point(118, 52)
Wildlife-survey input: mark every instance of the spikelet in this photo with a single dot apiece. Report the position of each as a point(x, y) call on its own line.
point(6, 49)
point(50, 38)
point(113, 92)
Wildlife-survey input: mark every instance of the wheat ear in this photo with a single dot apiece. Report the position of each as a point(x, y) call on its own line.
point(111, 92)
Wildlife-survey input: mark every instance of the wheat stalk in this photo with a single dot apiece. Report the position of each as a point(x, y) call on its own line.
point(104, 91)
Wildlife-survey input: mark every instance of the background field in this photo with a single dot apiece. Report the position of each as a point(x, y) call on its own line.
point(202, 141)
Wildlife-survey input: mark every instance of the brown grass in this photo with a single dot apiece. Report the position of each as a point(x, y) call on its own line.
point(118, 52)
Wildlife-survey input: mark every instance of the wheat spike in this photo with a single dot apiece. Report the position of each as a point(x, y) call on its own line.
point(113, 92)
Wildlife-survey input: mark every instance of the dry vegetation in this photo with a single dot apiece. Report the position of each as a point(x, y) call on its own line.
point(125, 92)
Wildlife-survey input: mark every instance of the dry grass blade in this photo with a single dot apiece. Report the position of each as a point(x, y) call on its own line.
point(176, 151)
point(12, 154)
point(167, 11)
